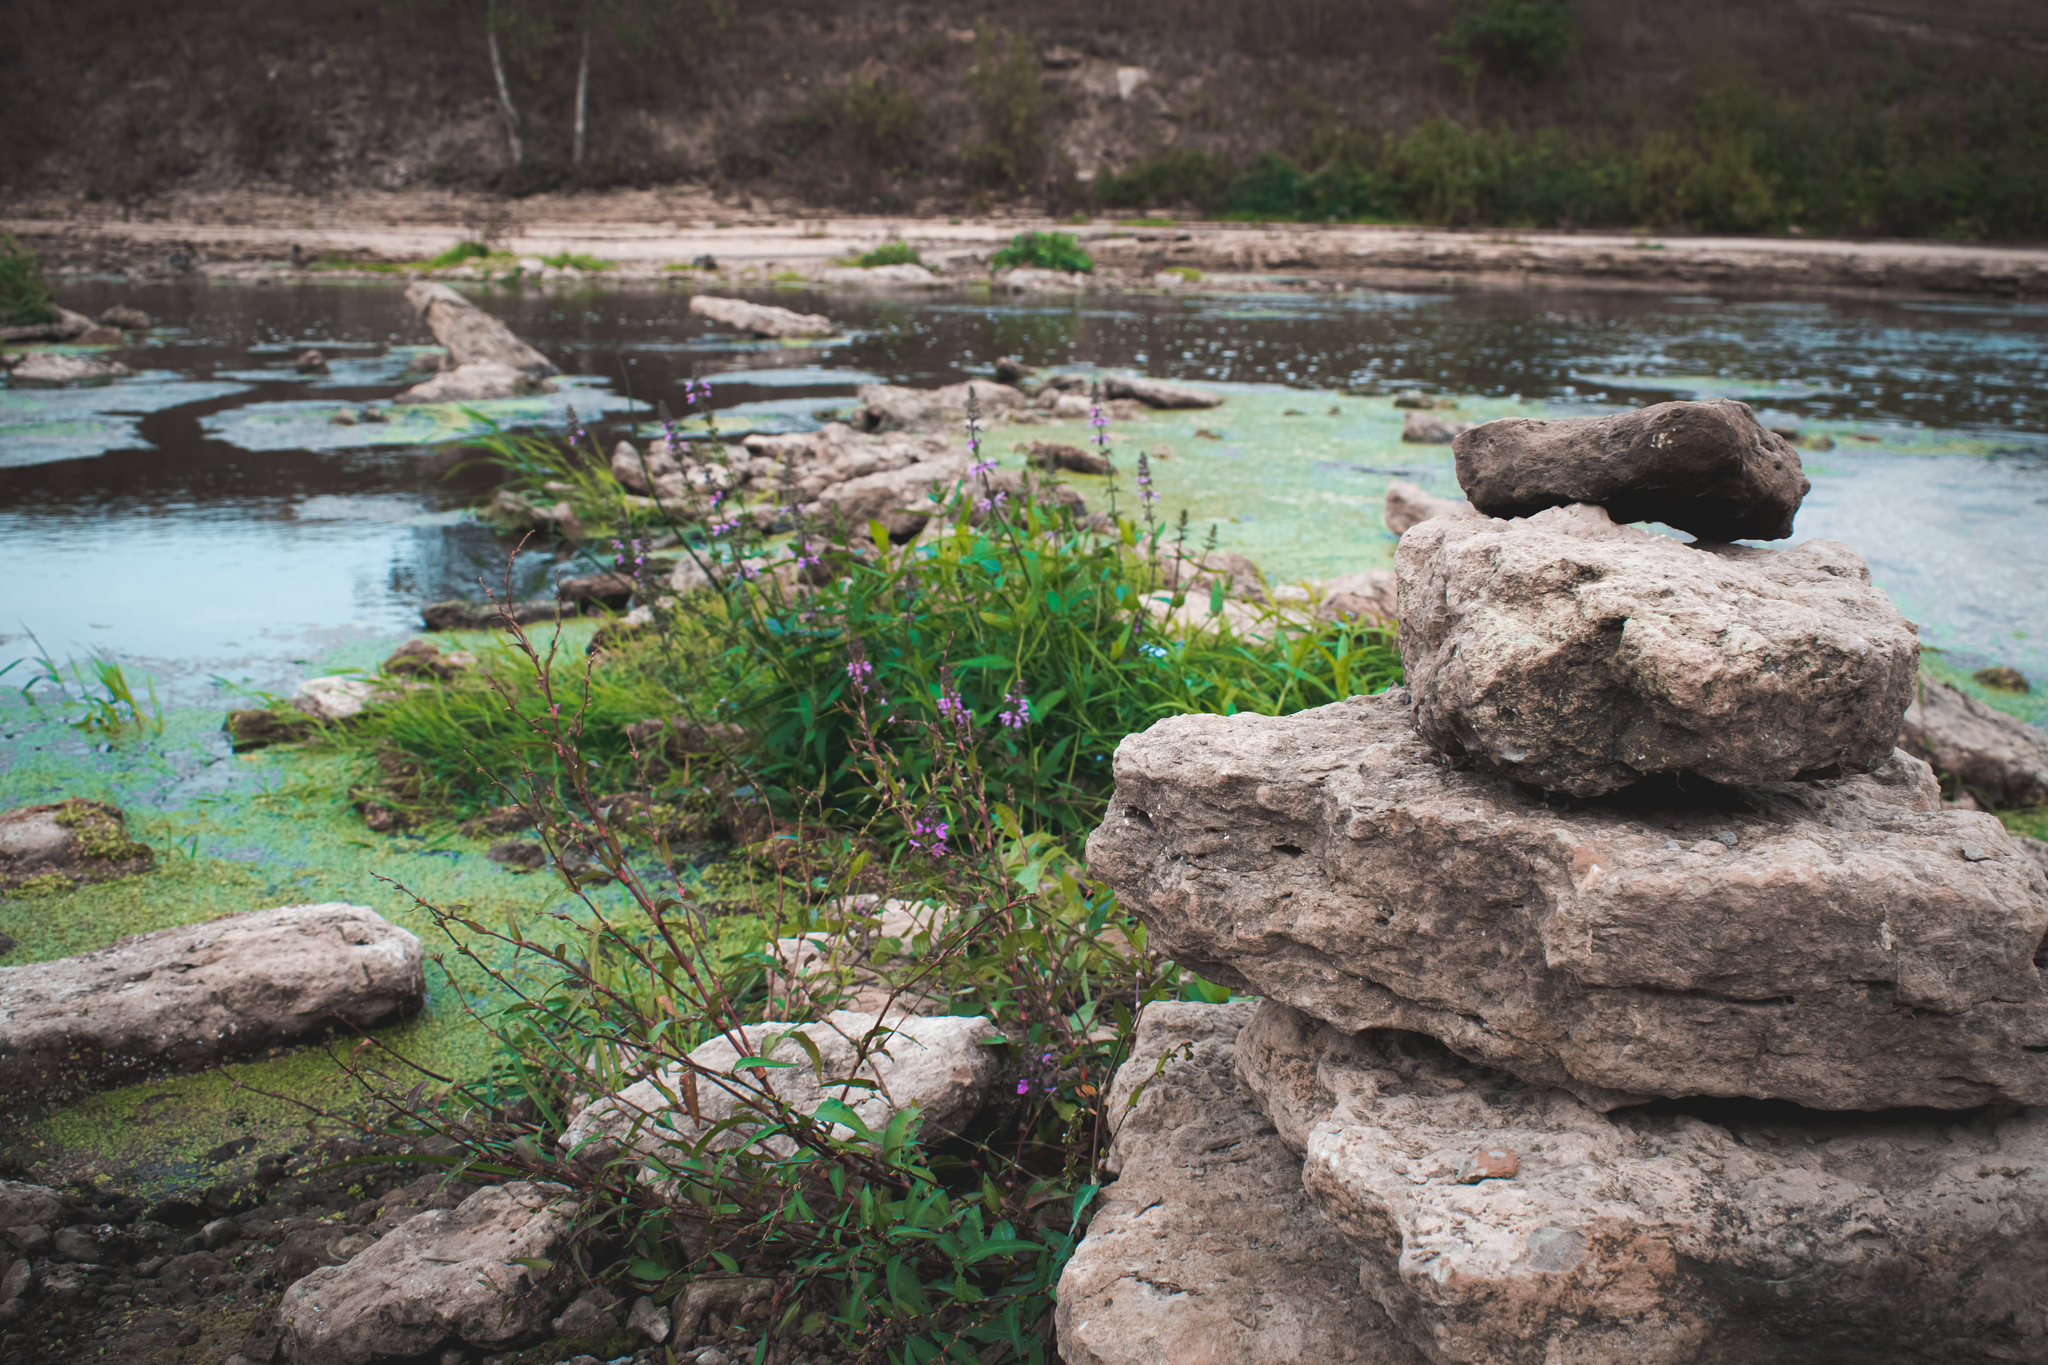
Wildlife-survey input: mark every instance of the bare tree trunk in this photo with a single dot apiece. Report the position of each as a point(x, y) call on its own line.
point(582, 95)
point(504, 90)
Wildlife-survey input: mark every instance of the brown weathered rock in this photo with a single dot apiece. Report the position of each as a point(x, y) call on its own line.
point(1408, 505)
point(185, 998)
point(471, 335)
point(639, 471)
point(1988, 752)
point(761, 319)
point(255, 728)
point(461, 615)
point(1368, 595)
point(121, 315)
point(1580, 656)
point(1052, 455)
point(807, 464)
point(903, 500)
point(1195, 574)
point(890, 407)
point(310, 362)
point(1427, 429)
point(1842, 944)
point(473, 1274)
point(1706, 468)
point(1715, 1235)
point(49, 370)
point(1157, 393)
point(66, 844)
point(1206, 1250)
point(422, 658)
point(479, 381)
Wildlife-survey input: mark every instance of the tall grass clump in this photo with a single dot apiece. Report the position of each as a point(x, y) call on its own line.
point(889, 253)
point(25, 299)
point(1044, 251)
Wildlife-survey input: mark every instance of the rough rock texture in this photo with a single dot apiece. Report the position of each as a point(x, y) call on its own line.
point(1728, 1233)
point(901, 499)
point(1408, 505)
point(908, 272)
point(890, 407)
point(1073, 459)
point(1579, 655)
point(1428, 429)
point(333, 698)
point(1988, 752)
point(1206, 1250)
point(185, 998)
point(480, 381)
point(472, 336)
point(1157, 393)
point(63, 844)
point(449, 1275)
point(1843, 944)
point(1368, 595)
point(461, 615)
point(638, 470)
point(1032, 280)
point(808, 463)
point(936, 1064)
point(761, 319)
point(1195, 574)
point(47, 370)
point(1706, 468)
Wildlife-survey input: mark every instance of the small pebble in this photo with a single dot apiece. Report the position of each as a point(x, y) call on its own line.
point(1727, 836)
point(1973, 854)
point(1489, 1163)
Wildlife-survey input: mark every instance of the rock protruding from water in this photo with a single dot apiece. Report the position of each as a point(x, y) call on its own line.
point(1206, 1248)
point(760, 319)
point(186, 998)
point(1706, 468)
point(1581, 656)
point(482, 1275)
point(1662, 1236)
point(1157, 393)
point(891, 407)
point(1409, 505)
point(48, 849)
point(1992, 755)
point(49, 370)
point(1843, 945)
point(471, 335)
point(1428, 429)
point(480, 381)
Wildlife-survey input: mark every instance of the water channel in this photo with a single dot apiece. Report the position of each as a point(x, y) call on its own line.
point(207, 524)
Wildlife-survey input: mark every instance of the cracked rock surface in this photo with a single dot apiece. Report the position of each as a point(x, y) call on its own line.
point(1581, 656)
point(1843, 944)
point(1206, 1250)
point(1757, 1233)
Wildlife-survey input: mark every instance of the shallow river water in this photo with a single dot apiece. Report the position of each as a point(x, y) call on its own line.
point(206, 524)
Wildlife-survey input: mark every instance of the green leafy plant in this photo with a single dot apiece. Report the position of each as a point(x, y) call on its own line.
point(889, 253)
point(110, 704)
point(578, 260)
point(24, 295)
point(1010, 107)
point(1045, 251)
point(456, 255)
point(1524, 38)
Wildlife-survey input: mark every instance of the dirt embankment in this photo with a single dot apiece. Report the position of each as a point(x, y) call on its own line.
point(652, 235)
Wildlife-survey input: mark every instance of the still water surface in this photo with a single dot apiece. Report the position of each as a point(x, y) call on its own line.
point(205, 521)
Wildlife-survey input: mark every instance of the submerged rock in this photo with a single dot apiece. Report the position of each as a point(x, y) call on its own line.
point(761, 319)
point(485, 1274)
point(1582, 656)
point(1659, 1236)
point(1408, 505)
point(1986, 751)
point(125, 317)
point(1157, 393)
point(471, 335)
point(52, 848)
point(186, 998)
point(1206, 1248)
point(1843, 944)
point(1706, 468)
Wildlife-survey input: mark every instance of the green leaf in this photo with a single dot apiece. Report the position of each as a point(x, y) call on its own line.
point(539, 1265)
point(1009, 1246)
point(745, 1062)
point(838, 1111)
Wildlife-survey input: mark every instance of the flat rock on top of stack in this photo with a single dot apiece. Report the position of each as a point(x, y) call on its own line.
point(1581, 656)
point(1660, 1238)
point(1842, 944)
point(1706, 468)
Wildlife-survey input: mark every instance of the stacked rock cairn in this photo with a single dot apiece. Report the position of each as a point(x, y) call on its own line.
point(1622, 993)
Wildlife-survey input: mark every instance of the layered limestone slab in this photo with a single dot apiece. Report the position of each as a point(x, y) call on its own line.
point(1741, 1234)
point(1707, 468)
point(1206, 1250)
point(1843, 944)
point(1582, 656)
point(185, 998)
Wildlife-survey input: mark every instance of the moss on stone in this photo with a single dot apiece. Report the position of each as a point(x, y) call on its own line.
point(42, 888)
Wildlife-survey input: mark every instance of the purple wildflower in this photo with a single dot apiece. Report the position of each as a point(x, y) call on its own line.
point(1016, 713)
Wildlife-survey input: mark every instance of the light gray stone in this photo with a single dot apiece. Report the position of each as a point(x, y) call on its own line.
point(1580, 656)
point(761, 319)
point(891, 407)
point(471, 335)
point(1828, 943)
point(1157, 393)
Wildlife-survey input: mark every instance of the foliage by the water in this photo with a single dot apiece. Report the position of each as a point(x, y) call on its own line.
point(889, 253)
point(107, 701)
point(1509, 37)
point(24, 294)
point(1044, 251)
point(1897, 149)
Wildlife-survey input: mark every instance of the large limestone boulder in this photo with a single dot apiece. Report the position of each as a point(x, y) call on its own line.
point(471, 335)
point(185, 998)
point(1206, 1250)
point(938, 1064)
point(1843, 944)
point(1705, 468)
point(760, 319)
point(1510, 1224)
point(891, 407)
point(1988, 752)
point(1578, 655)
point(484, 1274)
point(904, 499)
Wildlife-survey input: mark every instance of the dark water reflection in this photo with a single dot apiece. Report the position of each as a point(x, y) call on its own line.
point(195, 557)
